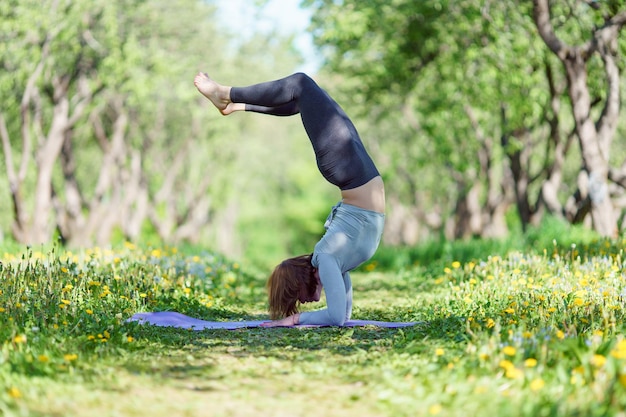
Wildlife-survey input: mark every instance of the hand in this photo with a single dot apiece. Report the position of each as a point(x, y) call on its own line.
point(286, 322)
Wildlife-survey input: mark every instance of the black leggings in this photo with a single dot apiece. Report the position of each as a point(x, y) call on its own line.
point(340, 154)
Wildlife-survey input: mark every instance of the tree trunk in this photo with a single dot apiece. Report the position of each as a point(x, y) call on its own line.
point(42, 225)
point(594, 138)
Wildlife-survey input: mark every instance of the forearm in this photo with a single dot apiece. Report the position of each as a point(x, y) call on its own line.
point(321, 317)
point(288, 321)
point(335, 287)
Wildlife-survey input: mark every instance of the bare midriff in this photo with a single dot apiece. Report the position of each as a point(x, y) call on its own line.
point(369, 196)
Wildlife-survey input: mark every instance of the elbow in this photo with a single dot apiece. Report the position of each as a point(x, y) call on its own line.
point(337, 320)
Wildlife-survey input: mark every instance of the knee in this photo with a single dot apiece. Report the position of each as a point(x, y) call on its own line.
point(300, 78)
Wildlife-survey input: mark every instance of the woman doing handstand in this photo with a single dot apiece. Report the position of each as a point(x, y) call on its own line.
point(355, 224)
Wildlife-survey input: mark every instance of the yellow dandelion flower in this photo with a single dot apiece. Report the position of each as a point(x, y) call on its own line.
point(618, 353)
point(506, 364)
point(43, 358)
point(2, 309)
point(434, 409)
point(598, 360)
point(130, 339)
point(91, 337)
point(490, 323)
point(560, 335)
point(621, 345)
point(514, 373)
point(14, 392)
point(69, 357)
point(578, 302)
point(537, 384)
point(509, 351)
point(510, 310)
point(439, 352)
point(20, 338)
point(89, 311)
point(622, 379)
point(64, 270)
point(447, 270)
point(107, 334)
point(143, 295)
point(530, 362)
point(456, 264)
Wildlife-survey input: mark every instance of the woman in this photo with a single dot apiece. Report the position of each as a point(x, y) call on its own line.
point(354, 226)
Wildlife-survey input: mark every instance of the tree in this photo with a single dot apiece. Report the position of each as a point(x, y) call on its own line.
point(470, 87)
point(595, 136)
point(92, 80)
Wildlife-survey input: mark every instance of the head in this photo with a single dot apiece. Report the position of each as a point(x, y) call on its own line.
point(292, 282)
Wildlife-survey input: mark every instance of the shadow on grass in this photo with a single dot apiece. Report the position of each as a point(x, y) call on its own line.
point(291, 343)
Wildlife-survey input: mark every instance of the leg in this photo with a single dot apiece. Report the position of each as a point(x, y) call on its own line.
point(323, 119)
point(220, 96)
point(339, 152)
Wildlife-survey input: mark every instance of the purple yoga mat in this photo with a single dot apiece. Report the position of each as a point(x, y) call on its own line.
point(173, 319)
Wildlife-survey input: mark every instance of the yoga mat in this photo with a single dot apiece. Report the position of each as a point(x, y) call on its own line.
point(173, 319)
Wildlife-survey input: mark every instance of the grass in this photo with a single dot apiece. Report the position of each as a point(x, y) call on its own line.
point(532, 333)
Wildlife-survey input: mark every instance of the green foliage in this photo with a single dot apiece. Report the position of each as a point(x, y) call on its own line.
point(553, 235)
point(59, 307)
point(416, 70)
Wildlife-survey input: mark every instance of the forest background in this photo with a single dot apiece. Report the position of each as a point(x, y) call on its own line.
point(485, 118)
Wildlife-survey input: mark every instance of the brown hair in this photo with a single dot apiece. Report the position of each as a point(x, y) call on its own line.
point(286, 283)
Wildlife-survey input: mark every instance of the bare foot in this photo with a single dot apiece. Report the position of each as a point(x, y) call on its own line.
point(218, 94)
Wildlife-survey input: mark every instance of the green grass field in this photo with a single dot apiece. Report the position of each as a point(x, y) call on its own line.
point(519, 334)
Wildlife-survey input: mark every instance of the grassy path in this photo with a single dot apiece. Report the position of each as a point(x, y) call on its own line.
point(521, 336)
